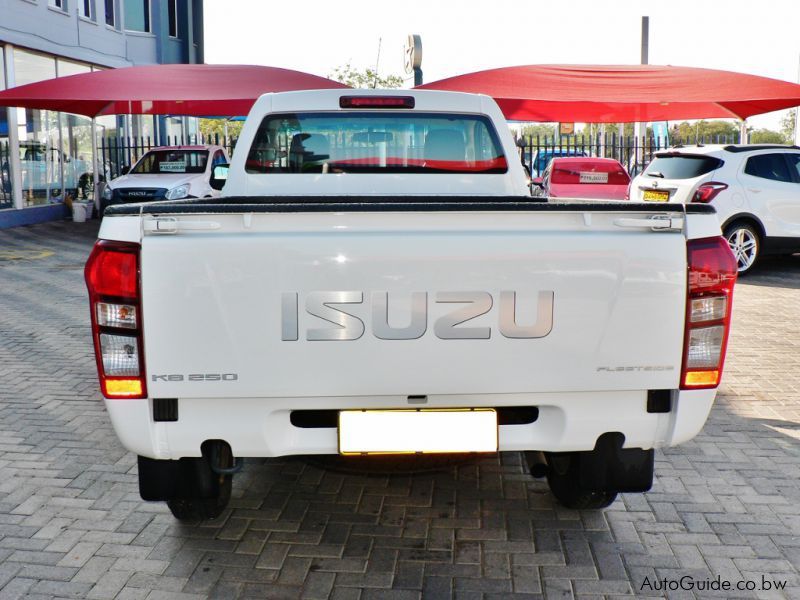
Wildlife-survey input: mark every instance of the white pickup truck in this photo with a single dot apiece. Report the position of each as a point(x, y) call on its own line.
point(377, 279)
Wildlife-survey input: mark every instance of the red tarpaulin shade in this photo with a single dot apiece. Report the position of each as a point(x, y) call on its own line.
point(613, 94)
point(200, 90)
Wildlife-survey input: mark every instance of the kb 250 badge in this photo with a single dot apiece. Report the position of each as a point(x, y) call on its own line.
point(197, 377)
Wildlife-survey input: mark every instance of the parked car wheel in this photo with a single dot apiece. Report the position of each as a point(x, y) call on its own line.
point(745, 242)
point(563, 479)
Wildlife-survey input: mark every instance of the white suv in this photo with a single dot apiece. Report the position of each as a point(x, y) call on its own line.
point(754, 188)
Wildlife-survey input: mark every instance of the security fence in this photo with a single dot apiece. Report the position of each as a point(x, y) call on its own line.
point(536, 151)
point(634, 153)
point(119, 152)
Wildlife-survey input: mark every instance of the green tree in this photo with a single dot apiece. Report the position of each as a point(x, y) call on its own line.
point(543, 130)
point(365, 79)
point(787, 126)
point(766, 136)
point(686, 131)
point(211, 127)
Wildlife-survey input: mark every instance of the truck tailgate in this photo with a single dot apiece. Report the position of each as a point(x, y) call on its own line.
point(298, 304)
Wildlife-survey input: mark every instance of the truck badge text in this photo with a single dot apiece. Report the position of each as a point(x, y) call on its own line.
point(344, 325)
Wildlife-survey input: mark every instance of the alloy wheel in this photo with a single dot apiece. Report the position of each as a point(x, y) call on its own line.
point(744, 245)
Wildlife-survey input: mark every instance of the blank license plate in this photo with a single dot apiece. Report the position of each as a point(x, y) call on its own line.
point(656, 196)
point(417, 431)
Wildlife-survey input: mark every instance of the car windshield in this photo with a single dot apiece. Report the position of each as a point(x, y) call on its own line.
point(172, 161)
point(681, 166)
point(375, 142)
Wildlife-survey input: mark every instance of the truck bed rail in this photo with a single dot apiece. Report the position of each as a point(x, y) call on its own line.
point(281, 204)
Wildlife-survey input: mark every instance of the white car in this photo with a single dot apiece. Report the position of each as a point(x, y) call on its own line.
point(167, 173)
point(42, 168)
point(755, 190)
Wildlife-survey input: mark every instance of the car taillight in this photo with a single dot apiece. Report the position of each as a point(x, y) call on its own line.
point(708, 191)
point(712, 275)
point(112, 277)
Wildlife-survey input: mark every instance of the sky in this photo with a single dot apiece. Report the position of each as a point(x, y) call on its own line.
point(760, 38)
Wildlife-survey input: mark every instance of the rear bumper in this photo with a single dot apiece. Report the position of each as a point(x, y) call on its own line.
point(261, 427)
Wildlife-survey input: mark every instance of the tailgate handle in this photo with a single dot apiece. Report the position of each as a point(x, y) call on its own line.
point(658, 223)
point(167, 225)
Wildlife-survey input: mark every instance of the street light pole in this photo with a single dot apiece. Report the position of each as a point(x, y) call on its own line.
point(645, 56)
point(645, 40)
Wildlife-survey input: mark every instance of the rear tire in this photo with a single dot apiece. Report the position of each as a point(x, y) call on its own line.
point(563, 478)
point(745, 242)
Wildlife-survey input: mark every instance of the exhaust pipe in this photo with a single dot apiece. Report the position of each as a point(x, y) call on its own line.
point(537, 463)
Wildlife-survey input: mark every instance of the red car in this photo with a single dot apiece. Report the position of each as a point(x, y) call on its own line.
point(583, 177)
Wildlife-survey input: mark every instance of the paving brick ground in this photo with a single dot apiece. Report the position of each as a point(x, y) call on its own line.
point(72, 525)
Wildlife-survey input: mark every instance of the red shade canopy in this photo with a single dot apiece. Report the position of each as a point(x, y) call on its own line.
point(200, 90)
point(612, 93)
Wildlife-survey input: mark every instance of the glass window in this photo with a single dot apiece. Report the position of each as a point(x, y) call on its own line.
point(542, 158)
point(197, 22)
point(41, 160)
point(172, 161)
point(794, 164)
point(110, 13)
point(62, 4)
point(70, 67)
point(768, 166)
point(375, 142)
point(30, 67)
point(590, 171)
point(137, 15)
point(681, 166)
point(219, 158)
point(6, 198)
point(173, 18)
point(87, 8)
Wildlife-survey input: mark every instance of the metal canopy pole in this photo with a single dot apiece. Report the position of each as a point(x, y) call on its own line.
point(797, 115)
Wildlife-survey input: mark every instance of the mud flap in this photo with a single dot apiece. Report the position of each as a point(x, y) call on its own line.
point(610, 468)
point(170, 479)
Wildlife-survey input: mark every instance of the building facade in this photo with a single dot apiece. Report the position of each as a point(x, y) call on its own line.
point(46, 157)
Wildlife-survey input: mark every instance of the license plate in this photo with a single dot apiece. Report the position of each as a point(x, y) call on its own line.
point(592, 177)
point(656, 196)
point(417, 431)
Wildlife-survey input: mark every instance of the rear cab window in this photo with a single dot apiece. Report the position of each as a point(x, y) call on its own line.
point(682, 166)
point(375, 142)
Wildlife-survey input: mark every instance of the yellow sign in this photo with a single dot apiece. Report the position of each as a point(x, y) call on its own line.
point(566, 128)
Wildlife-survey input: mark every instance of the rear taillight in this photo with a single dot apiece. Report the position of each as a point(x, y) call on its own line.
point(708, 191)
point(712, 275)
point(112, 277)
